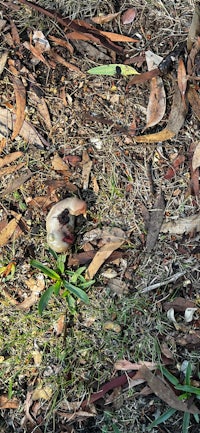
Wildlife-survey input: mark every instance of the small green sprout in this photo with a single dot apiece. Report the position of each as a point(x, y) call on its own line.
point(70, 284)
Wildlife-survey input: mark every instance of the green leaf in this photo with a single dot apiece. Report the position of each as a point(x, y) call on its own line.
point(162, 418)
point(53, 253)
point(71, 303)
point(196, 417)
point(113, 69)
point(61, 259)
point(172, 379)
point(57, 287)
point(188, 388)
point(186, 422)
point(45, 270)
point(45, 298)
point(76, 291)
point(86, 284)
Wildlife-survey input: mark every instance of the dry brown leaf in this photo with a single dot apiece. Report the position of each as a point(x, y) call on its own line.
point(174, 124)
point(41, 202)
point(128, 16)
point(115, 37)
point(87, 166)
point(63, 62)
point(182, 78)
point(102, 19)
point(6, 403)
point(142, 78)
point(36, 53)
point(124, 365)
point(157, 102)
point(196, 157)
point(14, 33)
point(59, 325)
point(112, 326)
point(45, 393)
point(165, 392)
point(182, 225)
point(194, 28)
point(155, 222)
point(82, 37)
point(20, 96)
point(28, 132)
point(9, 230)
point(12, 169)
point(194, 101)
point(3, 142)
point(11, 157)
point(41, 107)
point(171, 171)
point(29, 301)
point(59, 165)
point(3, 60)
point(179, 304)
point(100, 257)
point(16, 183)
point(62, 43)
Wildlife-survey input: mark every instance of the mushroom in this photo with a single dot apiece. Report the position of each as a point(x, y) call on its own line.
point(60, 223)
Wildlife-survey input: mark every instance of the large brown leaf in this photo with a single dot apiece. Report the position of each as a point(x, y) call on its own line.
point(20, 95)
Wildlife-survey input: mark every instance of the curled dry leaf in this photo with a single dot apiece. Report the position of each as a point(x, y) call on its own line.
point(171, 171)
point(157, 102)
point(103, 19)
point(101, 256)
point(170, 315)
point(182, 225)
point(115, 37)
point(189, 313)
point(112, 326)
point(7, 403)
point(124, 365)
point(182, 78)
point(9, 230)
point(128, 16)
point(20, 96)
point(11, 157)
point(44, 393)
point(196, 157)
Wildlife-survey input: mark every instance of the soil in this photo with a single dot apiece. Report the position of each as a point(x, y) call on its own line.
point(89, 150)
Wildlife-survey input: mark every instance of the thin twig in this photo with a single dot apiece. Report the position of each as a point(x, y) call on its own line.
point(168, 280)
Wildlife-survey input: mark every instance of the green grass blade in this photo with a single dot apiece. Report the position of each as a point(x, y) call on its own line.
point(162, 418)
point(188, 388)
point(71, 304)
point(186, 422)
point(76, 291)
point(196, 417)
point(45, 270)
point(172, 379)
point(45, 298)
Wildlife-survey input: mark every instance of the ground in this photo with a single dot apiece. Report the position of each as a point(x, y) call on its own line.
point(70, 357)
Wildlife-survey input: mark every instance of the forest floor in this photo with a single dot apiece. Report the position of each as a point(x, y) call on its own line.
point(67, 132)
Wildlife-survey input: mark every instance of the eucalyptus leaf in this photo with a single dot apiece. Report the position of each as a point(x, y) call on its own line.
point(113, 69)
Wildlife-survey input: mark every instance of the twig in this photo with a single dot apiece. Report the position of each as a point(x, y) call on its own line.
point(168, 280)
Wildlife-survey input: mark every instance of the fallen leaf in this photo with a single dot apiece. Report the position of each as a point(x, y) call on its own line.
point(20, 96)
point(102, 19)
point(37, 357)
point(87, 166)
point(171, 171)
point(28, 132)
point(100, 257)
point(157, 102)
point(3, 60)
point(191, 340)
point(196, 157)
point(11, 169)
point(6, 403)
point(41, 106)
point(128, 16)
point(44, 393)
point(3, 142)
point(59, 165)
point(11, 157)
point(112, 69)
point(194, 101)
point(182, 225)
point(29, 301)
point(59, 325)
point(179, 304)
point(142, 78)
point(194, 28)
point(125, 365)
point(9, 230)
point(161, 388)
point(16, 183)
point(115, 37)
point(62, 43)
point(182, 78)
point(36, 53)
point(40, 41)
point(63, 62)
point(36, 285)
point(117, 286)
point(166, 351)
point(174, 124)
point(155, 222)
point(41, 202)
point(189, 313)
point(14, 33)
point(112, 326)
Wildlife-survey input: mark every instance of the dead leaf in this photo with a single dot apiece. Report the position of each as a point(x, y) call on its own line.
point(40, 42)
point(157, 102)
point(191, 340)
point(63, 62)
point(11, 157)
point(102, 19)
point(174, 124)
point(20, 96)
point(182, 225)
point(115, 37)
point(155, 222)
point(36, 285)
point(125, 365)
point(44, 393)
point(194, 101)
point(28, 132)
point(128, 16)
point(117, 286)
point(182, 78)
point(194, 28)
point(166, 351)
point(100, 257)
point(29, 301)
point(87, 166)
point(9, 230)
point(196, 157)
point(11, 169)
point(37, 357)
point(142, 78)
point(14, 33)
point(6, 403)
point(41, 106)
point(3, 142)
point(36, 53)
point(171, 171)
point(3, 60)
point(41, 202)
point(112, 326)
point(59, 325)
point(161, 388)
point(16, 183)
point(179, 304)
point(62, 43)
point(59, 165)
